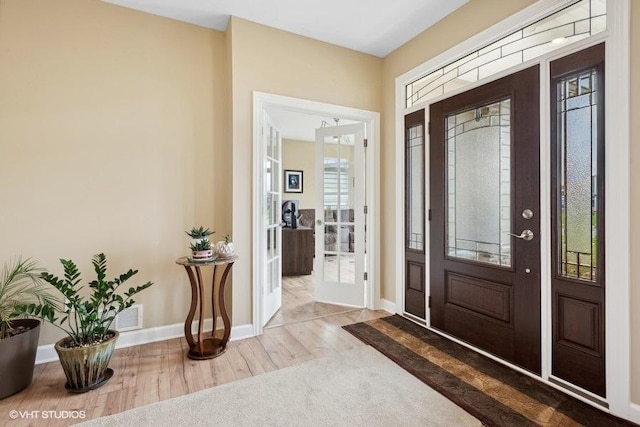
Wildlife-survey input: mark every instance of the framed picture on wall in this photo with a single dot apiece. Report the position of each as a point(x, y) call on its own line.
point(292, 181)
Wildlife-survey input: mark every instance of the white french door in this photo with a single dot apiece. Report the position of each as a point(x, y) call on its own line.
point(272, 253)
point(339, 271)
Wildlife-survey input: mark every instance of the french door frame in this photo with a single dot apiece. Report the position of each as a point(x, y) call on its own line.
point(617, 241)
point(267, 102)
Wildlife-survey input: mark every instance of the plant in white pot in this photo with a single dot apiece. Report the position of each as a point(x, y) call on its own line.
point(200, 243)
point(20, 283)
point(224, 248)
point(86, 351)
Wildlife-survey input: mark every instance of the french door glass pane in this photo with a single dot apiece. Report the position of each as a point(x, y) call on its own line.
point(338, 202)
point(577, 135)
point(479, 184)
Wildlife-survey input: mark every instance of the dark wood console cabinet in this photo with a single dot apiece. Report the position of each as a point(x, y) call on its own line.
point(297, 251)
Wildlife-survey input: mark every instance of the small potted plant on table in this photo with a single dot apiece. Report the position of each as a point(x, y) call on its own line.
point(20, 283)
point(200, 244)
point(224, 249)
point(86, 351)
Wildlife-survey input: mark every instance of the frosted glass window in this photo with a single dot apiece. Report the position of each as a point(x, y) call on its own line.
point(478, 145)
point(575, 22)
point(577, 136)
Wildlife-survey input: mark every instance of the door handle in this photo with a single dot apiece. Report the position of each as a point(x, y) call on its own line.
point(525, 235)
point(319, 222)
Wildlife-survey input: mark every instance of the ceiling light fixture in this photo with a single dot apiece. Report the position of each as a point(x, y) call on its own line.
point(558, 41)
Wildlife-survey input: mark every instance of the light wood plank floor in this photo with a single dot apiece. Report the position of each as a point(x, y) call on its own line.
point(298, 304)
point(157, 371)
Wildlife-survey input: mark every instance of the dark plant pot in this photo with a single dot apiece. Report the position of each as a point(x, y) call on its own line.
point(18, 357)
point(86, 368)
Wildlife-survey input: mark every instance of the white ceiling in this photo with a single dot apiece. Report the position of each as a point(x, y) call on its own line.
point(376, 27)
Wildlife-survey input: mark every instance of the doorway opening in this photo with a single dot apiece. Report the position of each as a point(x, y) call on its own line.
point(311, 190)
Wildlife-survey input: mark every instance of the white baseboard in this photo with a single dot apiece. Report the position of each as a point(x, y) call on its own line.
point(634, 412)
point(46, 353)
point(241, 332)
point(389, 306)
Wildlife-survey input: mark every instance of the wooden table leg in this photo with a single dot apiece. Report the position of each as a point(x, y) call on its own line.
point(192, 310)
point(213, 301)
point(223, 308)
point(201, 317)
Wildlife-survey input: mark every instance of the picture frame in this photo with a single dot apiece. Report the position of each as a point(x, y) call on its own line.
point(293, 182)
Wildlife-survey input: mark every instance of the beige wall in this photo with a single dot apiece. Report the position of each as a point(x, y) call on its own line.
point(301, 155)
point(273, 61)
point(635, 202)
point(112, 135)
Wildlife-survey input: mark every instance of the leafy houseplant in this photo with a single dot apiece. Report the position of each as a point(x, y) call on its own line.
point(20, 283)
point(86, 351)
point(200, 244)
point(199, 233)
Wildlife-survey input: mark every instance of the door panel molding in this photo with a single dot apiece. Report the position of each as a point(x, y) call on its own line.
point(491, 300)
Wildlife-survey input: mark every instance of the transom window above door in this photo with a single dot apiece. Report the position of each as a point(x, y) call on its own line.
point(575, 22)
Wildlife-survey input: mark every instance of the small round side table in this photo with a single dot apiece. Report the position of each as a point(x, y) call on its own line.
point(207, 346)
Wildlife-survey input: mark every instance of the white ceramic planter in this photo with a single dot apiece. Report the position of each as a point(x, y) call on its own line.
point(223, 249)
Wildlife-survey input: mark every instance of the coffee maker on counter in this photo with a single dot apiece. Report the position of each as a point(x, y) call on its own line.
point(290, 214)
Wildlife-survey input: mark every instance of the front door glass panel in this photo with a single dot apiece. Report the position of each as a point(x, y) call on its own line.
point(478, 150)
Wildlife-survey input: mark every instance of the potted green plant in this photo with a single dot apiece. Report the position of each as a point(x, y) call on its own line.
point(20, 283)
point(200, 243)
point(86, 350)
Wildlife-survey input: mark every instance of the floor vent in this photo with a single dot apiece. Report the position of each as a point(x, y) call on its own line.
point(129, 319)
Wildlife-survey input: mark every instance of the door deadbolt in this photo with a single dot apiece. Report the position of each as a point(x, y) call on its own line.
point(527, 214)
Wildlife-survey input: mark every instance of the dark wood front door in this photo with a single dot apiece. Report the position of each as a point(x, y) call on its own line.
point(577, 279)
point(485, 185)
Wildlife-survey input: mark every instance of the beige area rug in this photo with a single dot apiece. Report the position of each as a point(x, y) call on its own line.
point(358, 387)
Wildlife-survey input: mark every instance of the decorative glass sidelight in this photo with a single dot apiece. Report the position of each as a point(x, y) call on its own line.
point(415, 187)
point(478, 150)
point(577, 125)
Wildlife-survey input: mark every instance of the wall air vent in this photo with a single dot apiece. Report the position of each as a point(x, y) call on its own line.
point(129, 319)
